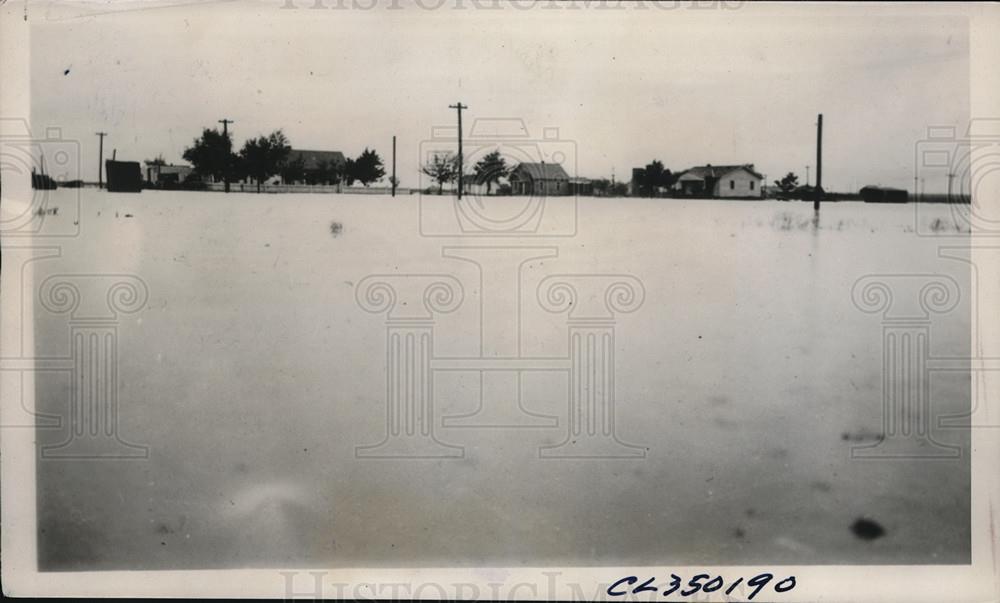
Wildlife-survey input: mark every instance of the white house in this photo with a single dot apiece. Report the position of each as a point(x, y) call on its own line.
point(739, 181)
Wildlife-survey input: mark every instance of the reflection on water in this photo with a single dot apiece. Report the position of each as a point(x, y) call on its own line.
point(251, 374)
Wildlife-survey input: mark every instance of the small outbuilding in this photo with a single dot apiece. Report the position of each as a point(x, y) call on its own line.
point(884, 194)
point(123, 176)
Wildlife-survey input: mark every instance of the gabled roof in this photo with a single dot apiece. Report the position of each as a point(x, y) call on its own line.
point(541, 171)
point(312, 159)
point(716, 171)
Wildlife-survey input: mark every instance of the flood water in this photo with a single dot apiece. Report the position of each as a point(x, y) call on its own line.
point(251, 374)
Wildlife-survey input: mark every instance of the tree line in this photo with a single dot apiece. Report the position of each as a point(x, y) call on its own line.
point(263, 157)
point(443, 167)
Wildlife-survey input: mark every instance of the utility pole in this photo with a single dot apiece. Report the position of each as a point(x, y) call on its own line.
point(807, 175)
point(819, 164)
point(951, 176)
point(393, 166)
point(225, 132)
point(461, 165)
point(100, 159)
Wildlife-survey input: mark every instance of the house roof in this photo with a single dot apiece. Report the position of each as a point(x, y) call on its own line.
point(715, 171)
point(312, 159)
point(541, 171)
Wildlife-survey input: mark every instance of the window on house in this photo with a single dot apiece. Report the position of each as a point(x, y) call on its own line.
point(751, 185)
point(732, 184)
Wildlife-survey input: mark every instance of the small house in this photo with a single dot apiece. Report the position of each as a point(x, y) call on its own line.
point(159, 174)
point(720, 181)
point(317, 166)
point(539, 179)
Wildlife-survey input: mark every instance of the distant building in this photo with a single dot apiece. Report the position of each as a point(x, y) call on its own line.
point(883, 194)
point(123, 176)
point(317, 164)
point(539, 179)
point(581, 186)
point(167, 174)
point(720, 181)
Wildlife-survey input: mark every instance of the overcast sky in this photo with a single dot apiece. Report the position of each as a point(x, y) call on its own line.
point(623, 87)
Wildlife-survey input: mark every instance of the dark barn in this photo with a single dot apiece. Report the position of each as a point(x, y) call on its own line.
point(883, 194)
point(123, 176)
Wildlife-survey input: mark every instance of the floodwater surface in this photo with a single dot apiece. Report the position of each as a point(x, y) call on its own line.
point(741, 383)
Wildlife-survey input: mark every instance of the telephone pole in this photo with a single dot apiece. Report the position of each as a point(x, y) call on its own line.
point(225, 132)
point(461, 165)
point(807, 175)
point(819, 163)
point(100, 159)
point(393, 166)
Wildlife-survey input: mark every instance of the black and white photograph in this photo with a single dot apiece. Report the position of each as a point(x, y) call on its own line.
point(500, 300)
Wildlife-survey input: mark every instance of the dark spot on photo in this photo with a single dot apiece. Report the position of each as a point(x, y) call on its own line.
point(867, 529)
point(164, 529)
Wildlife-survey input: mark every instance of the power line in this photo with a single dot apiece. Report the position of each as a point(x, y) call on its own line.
point(461, 166)
point(225, 132)
point(100, 159)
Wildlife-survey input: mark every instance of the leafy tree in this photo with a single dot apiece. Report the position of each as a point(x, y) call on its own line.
point(490, 169)
point(350, 171)
point(368, 167)
point(212, 155)
point(619, 189)
point(328, 172)
point(264, 156)
point(787, 184)
point(442, 167)
point(654, 177)
point(601, 186)
point(294, 170)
